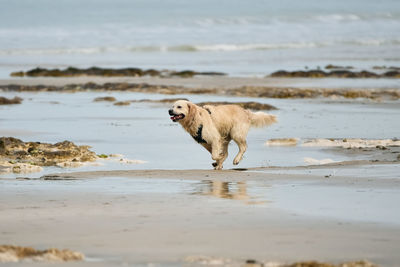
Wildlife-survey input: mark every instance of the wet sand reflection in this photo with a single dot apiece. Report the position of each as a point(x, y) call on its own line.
point(227, 190)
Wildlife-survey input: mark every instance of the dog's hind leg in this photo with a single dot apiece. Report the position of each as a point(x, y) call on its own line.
point(239, 134)
point(224, 150)
point(242, 144)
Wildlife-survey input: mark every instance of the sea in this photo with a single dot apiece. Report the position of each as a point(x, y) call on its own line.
point(240, 38)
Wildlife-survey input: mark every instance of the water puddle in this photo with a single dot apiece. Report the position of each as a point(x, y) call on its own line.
point(231, 190)
point(362, 203)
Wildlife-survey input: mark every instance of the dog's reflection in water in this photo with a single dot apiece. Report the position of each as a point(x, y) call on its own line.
point(227, 190)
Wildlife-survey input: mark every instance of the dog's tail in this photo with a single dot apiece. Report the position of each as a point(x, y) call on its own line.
point(261, 119)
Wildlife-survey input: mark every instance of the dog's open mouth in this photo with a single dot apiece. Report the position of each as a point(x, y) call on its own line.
point(178, 117)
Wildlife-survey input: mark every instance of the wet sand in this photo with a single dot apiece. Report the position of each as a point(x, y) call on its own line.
point(164, 217)
point(172, 209)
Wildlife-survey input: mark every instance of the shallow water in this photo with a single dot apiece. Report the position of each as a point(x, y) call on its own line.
point(144, 131)
point(345, 204)
point(365, 171)
point(339, 202)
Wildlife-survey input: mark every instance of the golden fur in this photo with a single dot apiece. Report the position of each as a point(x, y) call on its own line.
point(215, 126)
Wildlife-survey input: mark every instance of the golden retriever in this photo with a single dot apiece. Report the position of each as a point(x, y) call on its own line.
point(215, 126)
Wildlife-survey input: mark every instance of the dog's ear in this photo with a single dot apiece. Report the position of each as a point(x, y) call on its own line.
point(191, 109)
point(190, 105)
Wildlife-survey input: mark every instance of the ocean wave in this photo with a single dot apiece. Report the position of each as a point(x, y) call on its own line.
point(339, 17)
point(372, 42)
point(198, 48)
point(177, 48)
point(324, 18)
point(230, 21)
point(244, 47)
point(55, 51)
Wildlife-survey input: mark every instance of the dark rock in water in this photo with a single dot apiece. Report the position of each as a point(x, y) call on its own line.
point(334, 74)
point(361, 263)
point(190, 73)
point(152, 72)
point(367, 74)
point(107, 72)
point(341, 74)
point(17, 74)
point(105, 98)
point(253, 263)
point(164, 100)
point(122, 103)
point(300, 74)
point(184, 74)
point(43, 154)
point(12, 101)
point(385, 68)
point(392, 74)
point(246, 105)
point(330, 66)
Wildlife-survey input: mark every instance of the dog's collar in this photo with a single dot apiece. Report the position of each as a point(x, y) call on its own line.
point(199, 137)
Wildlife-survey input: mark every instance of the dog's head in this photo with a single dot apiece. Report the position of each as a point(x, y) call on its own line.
point(180, 110)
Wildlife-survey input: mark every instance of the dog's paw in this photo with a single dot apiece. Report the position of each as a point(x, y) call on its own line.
point(236, 162)
point(218, 167)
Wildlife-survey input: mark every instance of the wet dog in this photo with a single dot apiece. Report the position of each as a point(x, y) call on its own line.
point(215, 126)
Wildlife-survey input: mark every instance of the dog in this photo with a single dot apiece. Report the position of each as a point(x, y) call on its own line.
point(215, 126)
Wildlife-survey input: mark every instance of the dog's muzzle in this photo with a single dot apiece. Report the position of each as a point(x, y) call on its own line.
point(175, 117)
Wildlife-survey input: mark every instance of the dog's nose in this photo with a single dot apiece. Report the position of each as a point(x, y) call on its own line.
point(171, 112)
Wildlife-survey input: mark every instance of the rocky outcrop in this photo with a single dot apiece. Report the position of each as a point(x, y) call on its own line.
point(331, 66)
point(246, 105)
point(107, 87)
point(164, 100)
point(334, 74)
point(10, 253)
point(284, 92)
point(122, 103)
point(107, 72)
point(10, 101)
point(18, 156)
point(105, 98)
point(244, 91)
point(385, 68)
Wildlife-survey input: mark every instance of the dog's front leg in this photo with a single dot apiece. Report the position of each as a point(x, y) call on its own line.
point(216, 154)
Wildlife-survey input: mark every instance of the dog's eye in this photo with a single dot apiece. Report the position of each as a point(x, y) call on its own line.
point(179, 107)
